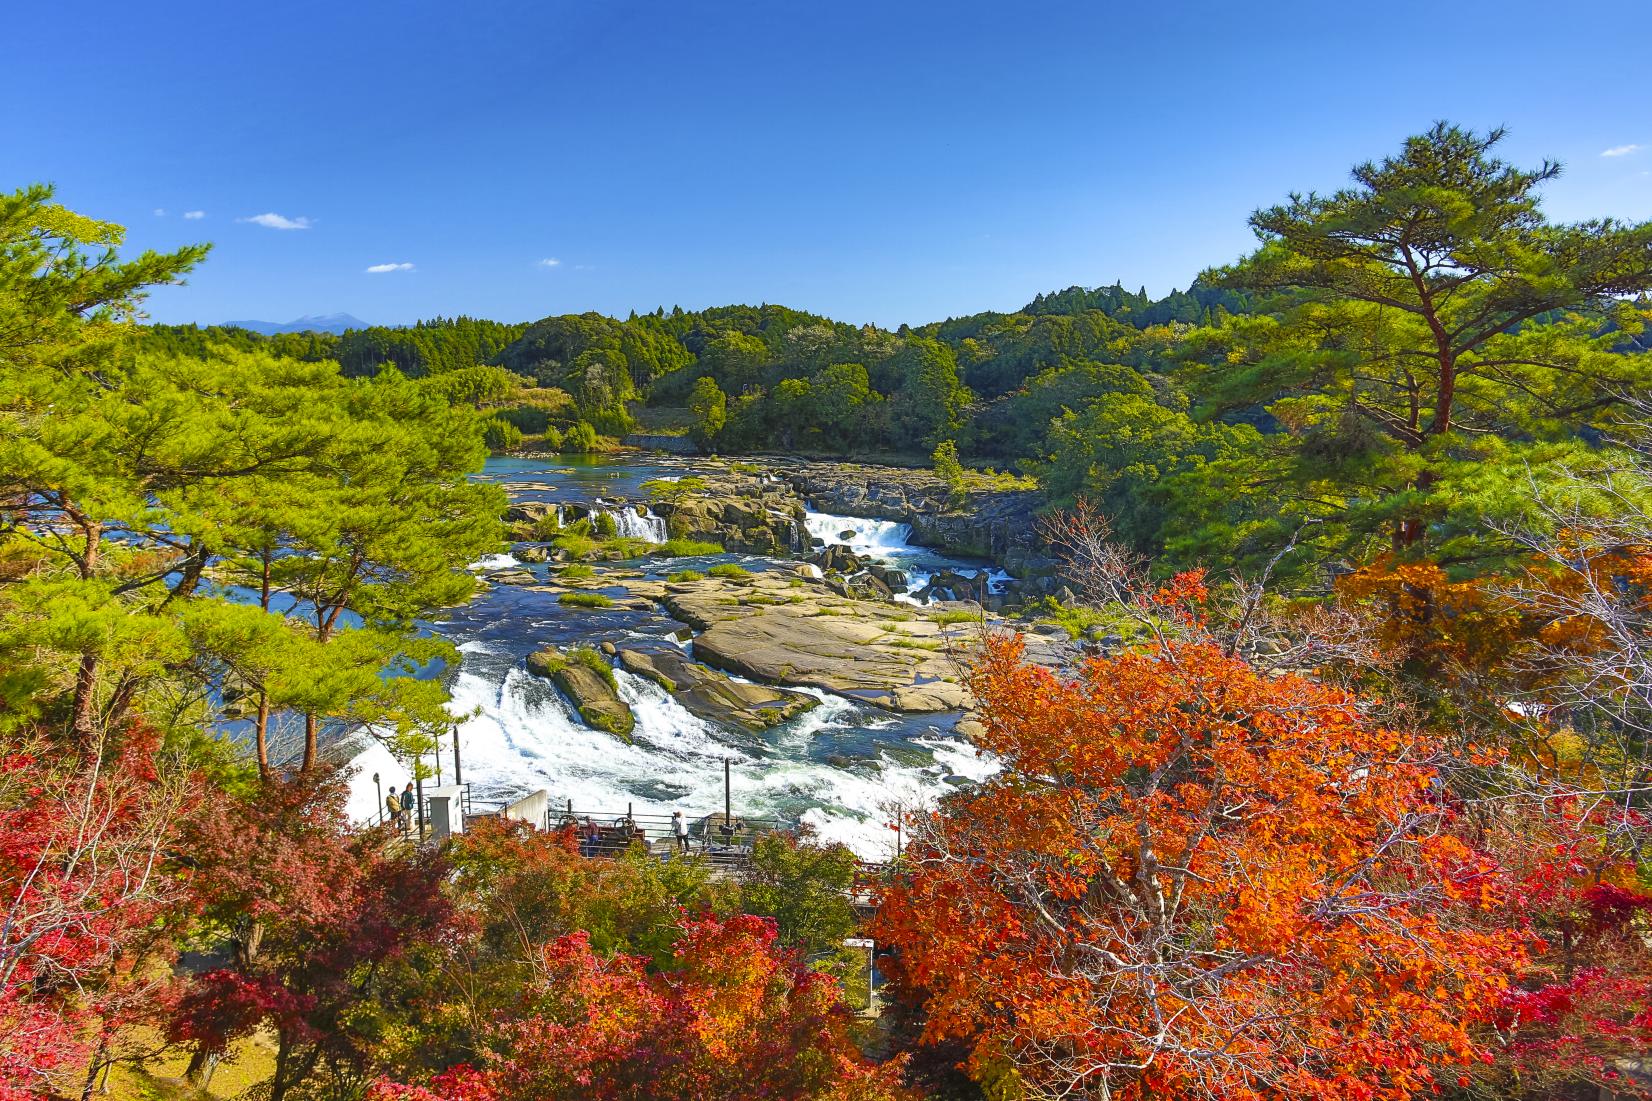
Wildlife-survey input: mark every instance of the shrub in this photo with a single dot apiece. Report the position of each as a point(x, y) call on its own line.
point(576, 544)
point(665, 489)
point(686, 548)
point(500, 435)
point(950, 470)
point(604, 525)
point(576, 571)
point(583, 599)
point(581, 439)
point(593, 660)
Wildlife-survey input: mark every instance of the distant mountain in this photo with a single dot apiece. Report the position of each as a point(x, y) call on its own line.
point(320, 323)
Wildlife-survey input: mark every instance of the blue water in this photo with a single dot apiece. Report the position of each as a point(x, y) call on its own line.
point(842, 768)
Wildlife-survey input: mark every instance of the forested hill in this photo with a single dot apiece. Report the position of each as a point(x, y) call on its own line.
point(783, 378)
point(1288, 400)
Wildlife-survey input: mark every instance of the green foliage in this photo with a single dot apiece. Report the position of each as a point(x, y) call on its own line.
point(1428, 327)
point(604, 525)
point(947, 616)
point(586, 600)
point(945, 463)
point(710, 409)
point(500, 435)
point(593, 660)
point(581, 439)
point(732, 571)
point(339, 506)
point(804, 887)
point(666, 489)
point(685, 548)
point(686, 575)
point(576, 571)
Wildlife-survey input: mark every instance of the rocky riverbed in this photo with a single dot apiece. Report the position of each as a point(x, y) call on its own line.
point(656, 617)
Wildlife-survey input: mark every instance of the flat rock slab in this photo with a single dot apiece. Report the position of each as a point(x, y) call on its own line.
point(773, 630)
point(713, 695)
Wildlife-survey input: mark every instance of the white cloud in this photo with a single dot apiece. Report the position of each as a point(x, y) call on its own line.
point(194, 215)
point(378, 269)
point(549, 262)
point(160, 212)
point(276, 221)
point(1620, 150)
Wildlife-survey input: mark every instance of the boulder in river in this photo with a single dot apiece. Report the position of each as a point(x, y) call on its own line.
point(588, 682)
point(714, 696)
point(874, 652)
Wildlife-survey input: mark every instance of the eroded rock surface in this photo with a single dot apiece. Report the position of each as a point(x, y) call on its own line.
point(712, 695)
point(592, 694)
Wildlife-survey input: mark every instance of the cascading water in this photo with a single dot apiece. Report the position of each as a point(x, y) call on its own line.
point(866, 537)
point(634, 522)
point(889, 542)
point(838, 767)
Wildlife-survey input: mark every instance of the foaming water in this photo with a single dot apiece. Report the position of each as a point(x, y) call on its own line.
point(843, 768)
point(890, 543)
point(634, 522)
point(863, 536)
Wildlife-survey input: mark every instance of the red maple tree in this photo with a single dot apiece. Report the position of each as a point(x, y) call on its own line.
point(732, 1016)
point(83, 839)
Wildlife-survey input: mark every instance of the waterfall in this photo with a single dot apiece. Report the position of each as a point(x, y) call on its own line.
point(636, 522)
point(865, 536)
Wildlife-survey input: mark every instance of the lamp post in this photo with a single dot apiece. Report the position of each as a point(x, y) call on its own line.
point(380, 789)
point(458, 777)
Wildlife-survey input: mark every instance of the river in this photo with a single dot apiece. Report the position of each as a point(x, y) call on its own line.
point(839, 768)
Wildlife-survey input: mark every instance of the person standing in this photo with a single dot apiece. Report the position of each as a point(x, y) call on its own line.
point(393, 807)
point(679, 830)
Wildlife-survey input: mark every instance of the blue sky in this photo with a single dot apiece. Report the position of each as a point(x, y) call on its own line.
point(887, 162)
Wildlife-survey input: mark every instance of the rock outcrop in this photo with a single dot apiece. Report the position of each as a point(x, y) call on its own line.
point(714, 696)
point(987, 523)
point(783, 630)
point(743, 508)
point(589, 685)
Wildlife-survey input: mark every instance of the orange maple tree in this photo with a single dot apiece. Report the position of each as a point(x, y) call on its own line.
point(1195, 880)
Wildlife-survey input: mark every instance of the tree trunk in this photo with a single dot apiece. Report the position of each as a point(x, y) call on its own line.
point(262, 735)
point(84, 722)
point(201, 1065)
point(99, 1062)
point(312, 727)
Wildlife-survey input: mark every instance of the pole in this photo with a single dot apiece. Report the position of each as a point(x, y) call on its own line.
point(458, 777)
point(380, 789)
point(728, 803)
point(418, 780)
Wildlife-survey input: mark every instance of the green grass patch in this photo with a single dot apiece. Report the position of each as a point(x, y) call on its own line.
point(686, 575)
point(587, 600)
point(686, 548)
point(593, 660)
point(732, 571)
point(576, 544)
point(947, 616)
point(576, 571)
